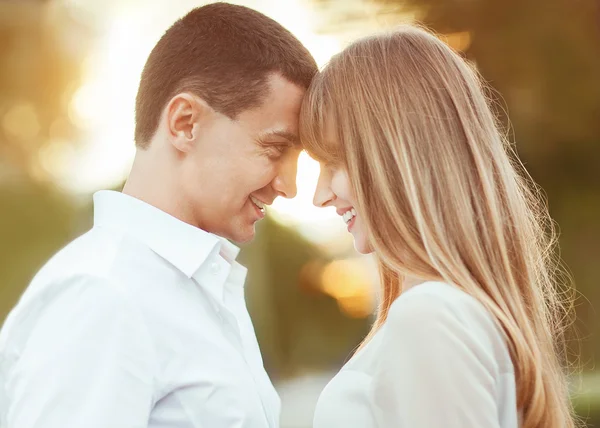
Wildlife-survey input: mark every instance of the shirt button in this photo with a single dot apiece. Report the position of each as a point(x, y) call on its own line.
point(215, 268)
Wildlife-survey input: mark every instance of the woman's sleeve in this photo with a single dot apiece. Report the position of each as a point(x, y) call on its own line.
point(434, 370)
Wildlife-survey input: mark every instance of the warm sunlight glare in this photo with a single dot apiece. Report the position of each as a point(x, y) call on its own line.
point(348, 281)
point(301, 209)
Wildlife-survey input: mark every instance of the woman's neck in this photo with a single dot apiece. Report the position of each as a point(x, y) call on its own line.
point(410, 282)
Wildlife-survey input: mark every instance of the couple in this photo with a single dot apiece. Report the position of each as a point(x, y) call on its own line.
point(141, 322)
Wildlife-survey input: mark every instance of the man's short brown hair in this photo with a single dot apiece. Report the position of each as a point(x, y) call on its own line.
point(223, 53)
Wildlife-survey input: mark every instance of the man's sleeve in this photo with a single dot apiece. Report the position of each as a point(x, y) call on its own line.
point(88, 362)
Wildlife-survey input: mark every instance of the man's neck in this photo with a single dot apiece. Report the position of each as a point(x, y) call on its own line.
point(156, 187)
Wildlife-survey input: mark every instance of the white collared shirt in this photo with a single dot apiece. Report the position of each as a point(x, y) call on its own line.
point(141, 322)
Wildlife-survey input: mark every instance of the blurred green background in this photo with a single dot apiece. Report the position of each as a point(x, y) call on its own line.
point(67, 85)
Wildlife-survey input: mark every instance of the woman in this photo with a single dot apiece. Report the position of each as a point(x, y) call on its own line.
point(468, 331)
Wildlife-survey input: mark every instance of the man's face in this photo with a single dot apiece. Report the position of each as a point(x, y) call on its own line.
point(239, 166)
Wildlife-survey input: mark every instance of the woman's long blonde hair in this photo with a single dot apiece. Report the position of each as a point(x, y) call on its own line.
point(444, 197)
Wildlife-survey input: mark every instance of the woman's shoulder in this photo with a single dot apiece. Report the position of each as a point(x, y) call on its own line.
point(436, 300)
point(438, 310)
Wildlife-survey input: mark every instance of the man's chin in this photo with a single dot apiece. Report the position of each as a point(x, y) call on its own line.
point(243, 236)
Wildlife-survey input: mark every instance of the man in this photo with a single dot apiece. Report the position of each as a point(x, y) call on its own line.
point(141, 322)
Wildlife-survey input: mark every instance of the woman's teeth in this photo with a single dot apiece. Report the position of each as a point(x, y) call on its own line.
point(258, 203)
point(349, 215)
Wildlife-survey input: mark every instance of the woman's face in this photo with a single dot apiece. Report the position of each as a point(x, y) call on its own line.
point(334, 189)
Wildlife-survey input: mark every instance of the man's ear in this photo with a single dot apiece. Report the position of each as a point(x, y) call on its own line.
point(183, 115)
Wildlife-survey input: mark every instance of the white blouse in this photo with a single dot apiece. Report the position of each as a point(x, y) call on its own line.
point(439, 361)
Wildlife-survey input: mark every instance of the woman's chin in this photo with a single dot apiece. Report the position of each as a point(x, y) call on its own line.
point(362, 246)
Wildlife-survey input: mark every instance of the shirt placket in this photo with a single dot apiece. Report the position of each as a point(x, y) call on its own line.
point(219, 280)
point(237, 303)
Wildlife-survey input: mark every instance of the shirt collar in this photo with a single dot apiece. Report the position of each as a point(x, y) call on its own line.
point(184, 246)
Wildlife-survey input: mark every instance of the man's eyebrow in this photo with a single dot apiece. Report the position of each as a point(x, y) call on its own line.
point(290, 136)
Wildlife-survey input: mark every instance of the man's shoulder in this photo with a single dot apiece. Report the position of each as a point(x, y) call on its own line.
point(87, 254)
point(82, 263)
point(76, 294)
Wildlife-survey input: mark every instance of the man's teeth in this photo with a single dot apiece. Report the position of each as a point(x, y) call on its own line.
point(349, 215)
point(258, 203)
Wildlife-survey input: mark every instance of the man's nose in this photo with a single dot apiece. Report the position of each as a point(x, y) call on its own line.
point(285, 181)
